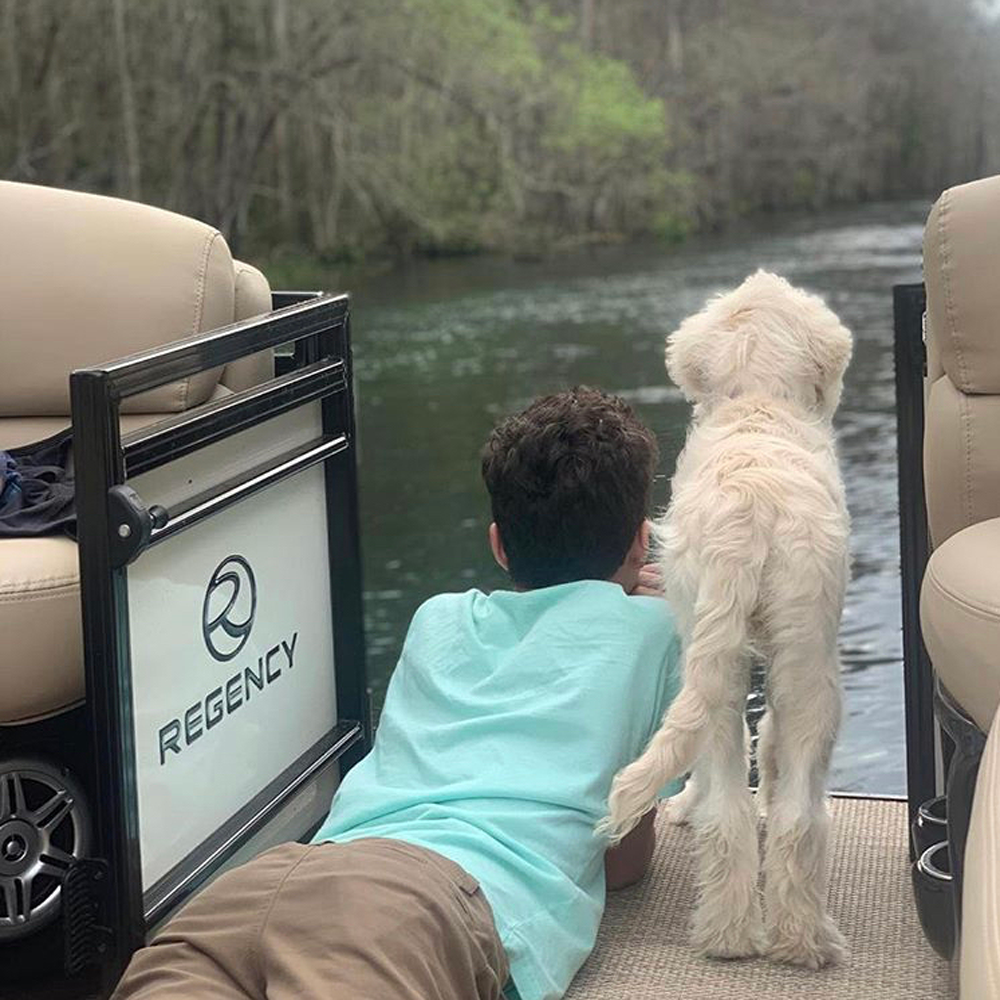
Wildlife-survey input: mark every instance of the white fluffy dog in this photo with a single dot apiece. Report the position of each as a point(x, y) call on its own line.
point(754, 549)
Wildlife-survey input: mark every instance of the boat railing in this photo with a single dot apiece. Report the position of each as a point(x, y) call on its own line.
point(222, 618)
point(924, 767)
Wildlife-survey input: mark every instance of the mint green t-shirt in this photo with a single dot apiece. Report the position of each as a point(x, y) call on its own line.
point(504, 723)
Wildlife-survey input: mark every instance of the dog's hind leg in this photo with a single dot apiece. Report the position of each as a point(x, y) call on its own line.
point(727, 922)
point(805, 691)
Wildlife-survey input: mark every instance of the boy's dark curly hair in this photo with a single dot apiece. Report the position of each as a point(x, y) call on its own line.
point(569, 479)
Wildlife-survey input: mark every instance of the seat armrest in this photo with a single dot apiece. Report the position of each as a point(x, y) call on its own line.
point(960, 618)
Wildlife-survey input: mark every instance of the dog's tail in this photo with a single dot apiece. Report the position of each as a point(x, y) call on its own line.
point(733, 562)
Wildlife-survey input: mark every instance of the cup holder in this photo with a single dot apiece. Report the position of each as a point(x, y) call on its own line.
point(931, 825)
point(934, 891)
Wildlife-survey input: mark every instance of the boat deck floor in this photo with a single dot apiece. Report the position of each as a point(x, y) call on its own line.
point(642, 950)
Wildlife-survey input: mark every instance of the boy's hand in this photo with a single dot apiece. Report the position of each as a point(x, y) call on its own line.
point(650, 582)
point(626, 863)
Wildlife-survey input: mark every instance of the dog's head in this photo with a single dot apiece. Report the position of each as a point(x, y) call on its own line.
point(765, 337)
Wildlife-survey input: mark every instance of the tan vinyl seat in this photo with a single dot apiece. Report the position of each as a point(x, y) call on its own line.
point(960, 605)
point(979, 967)
point(960, 597)
point(87, 279)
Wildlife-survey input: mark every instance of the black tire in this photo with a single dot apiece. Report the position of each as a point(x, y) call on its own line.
point(44, 826)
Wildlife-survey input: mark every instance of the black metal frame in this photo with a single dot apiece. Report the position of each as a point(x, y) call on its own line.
point(909, 302)
point(319, 327)
point(966, 744)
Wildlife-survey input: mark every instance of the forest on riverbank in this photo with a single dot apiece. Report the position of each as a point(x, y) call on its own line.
point(343, 129)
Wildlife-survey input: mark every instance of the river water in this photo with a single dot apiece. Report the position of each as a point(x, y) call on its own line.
point(444, 348)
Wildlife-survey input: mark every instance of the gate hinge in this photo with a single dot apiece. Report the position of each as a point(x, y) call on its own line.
point(130, 524)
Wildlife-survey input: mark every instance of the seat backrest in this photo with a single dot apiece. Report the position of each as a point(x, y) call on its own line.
point(252, 298)
point(962, 389)
point(87, 279)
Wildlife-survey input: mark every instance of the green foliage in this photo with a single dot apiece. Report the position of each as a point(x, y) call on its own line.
point(350, 130)
point(533, 132)
point(605, 114)
point(671, 227)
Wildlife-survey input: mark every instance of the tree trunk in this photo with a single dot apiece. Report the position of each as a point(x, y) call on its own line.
point(133, 177)
point(587, 23)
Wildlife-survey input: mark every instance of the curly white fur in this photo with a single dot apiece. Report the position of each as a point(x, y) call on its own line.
point(754, 548)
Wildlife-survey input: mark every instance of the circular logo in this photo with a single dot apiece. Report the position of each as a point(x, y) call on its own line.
point(228, 610)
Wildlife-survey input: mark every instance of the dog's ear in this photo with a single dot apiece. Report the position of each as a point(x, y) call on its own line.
point(687, 358)
point(830, 349)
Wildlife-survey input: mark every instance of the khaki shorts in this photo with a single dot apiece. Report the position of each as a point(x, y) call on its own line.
point(370, 920)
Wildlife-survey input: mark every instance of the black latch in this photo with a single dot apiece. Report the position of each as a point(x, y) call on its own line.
point(85, 937)
point(368, 723)
point(130, 524)
point(923, 341)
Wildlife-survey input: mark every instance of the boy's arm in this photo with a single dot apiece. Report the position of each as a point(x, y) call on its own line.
point(626, 862)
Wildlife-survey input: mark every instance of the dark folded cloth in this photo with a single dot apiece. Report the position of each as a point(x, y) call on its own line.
point(37, 492)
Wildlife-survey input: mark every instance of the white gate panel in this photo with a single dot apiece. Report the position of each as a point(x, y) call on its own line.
point(232, 662)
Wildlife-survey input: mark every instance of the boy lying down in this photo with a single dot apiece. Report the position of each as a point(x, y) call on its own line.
point(459, 860)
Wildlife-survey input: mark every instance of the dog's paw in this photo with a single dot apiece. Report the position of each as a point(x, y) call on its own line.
point(674, 813)
point(678, 809)
point(811, 947)
point(742, 937)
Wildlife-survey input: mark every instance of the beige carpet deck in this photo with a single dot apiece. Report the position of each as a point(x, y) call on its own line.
point(642, 949)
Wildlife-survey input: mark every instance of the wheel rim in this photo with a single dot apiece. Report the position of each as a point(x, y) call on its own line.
point(44, 827)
